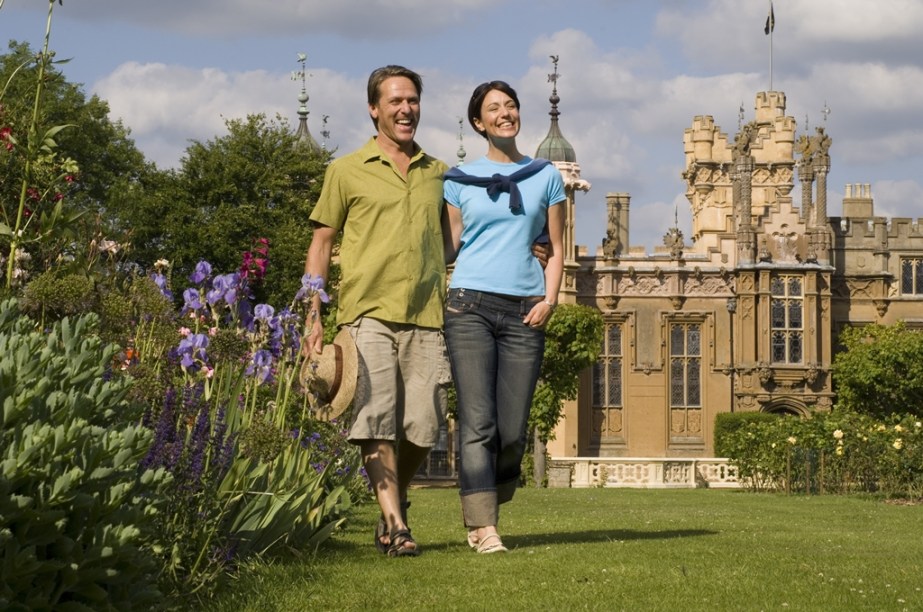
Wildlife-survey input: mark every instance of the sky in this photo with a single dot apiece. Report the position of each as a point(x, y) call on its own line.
point(632, 76)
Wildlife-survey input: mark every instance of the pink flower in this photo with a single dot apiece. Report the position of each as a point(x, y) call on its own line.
point(184, 331)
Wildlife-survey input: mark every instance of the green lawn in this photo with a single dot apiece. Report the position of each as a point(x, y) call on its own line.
point(616, 549)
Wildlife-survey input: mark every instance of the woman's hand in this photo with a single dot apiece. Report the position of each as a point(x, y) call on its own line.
point(539, 314)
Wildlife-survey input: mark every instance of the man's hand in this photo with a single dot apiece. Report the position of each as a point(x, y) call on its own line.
point(314, 340)
point(542, 251)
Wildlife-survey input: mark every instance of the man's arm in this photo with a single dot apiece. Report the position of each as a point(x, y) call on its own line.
point(317, 264)
point(451, 231)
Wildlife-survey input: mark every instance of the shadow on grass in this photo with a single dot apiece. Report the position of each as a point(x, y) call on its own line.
point(590, 537)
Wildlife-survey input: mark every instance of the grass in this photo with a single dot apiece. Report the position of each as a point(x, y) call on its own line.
point(615, 549)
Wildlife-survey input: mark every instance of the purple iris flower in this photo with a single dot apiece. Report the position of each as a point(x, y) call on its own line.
point(161, 281)
point(213, 296)
point(193, 300)
point(245, 313)
point(261, 365)
point(192, 347)
point(202, 271)
point(264, 312)
point(311, 285)
point(226, 286)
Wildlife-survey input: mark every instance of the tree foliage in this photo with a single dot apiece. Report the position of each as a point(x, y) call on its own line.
point(108, 163)
point(573, 341)
point(881, 371)
point(253, 182)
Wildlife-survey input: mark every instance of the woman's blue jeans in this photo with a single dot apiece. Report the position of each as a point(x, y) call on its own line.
point(496, 360)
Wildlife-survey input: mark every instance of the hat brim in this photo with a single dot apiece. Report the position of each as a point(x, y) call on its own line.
point(331, 408)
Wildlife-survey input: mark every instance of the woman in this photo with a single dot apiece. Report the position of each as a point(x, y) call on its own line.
point(499, 301)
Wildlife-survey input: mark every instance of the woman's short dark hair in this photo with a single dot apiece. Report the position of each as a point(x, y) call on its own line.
point(477, 100)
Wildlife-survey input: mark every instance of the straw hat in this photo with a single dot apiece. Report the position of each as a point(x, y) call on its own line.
point(331, 376)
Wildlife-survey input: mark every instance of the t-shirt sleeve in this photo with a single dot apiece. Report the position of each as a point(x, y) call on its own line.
point(555, 187)
point(331, 206)
point(451, 192)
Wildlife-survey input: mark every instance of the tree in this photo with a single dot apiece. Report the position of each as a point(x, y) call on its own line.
point(881, 371)
point(71, 180)
point(573, 341)
point(254, 182)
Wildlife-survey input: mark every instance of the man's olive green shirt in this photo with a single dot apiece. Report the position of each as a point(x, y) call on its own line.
point(391, 256)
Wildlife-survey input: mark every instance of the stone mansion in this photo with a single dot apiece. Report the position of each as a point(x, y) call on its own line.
point(744, 314)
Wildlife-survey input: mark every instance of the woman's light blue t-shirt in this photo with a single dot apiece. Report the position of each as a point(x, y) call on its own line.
point(496, 243)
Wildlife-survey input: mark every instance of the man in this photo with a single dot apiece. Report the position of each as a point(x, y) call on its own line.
point(386, 198)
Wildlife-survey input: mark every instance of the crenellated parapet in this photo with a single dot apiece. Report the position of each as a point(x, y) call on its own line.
point(733, 186)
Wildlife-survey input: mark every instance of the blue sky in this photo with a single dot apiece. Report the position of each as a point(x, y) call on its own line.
point(633, 74)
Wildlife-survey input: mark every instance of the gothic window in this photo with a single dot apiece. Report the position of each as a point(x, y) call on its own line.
point(686, 379)
point(607, 385)
point(787, 319)
point(912, 276)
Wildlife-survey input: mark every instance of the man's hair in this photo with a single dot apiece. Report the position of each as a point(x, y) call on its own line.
point(379, 75)
point(477, 100)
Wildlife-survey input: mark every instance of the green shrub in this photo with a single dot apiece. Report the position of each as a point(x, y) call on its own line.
point(837, 452)
point(51, 296)
point(727, 424)
point(881, 371)
point(75, 512)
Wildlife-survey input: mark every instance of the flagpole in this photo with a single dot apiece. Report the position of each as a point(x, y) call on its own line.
point(772, 27)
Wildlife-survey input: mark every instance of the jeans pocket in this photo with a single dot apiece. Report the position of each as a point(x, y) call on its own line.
point(459, 302)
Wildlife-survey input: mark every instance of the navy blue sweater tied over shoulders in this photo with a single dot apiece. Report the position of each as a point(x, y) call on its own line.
point(500, 183)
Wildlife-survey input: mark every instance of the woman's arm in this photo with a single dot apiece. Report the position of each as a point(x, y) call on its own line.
point(540, 313)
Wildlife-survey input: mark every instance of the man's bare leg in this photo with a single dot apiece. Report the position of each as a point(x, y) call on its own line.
point(390, 473)
point(409, 459)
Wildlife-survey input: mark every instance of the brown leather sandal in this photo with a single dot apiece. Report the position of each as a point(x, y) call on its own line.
point(399, 541)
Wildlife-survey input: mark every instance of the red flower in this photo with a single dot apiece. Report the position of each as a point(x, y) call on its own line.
point(6, 134)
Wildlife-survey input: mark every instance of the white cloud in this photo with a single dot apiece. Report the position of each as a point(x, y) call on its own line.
point(898, 198)
point(167, 106)
point(363, 19)
point(624, 104)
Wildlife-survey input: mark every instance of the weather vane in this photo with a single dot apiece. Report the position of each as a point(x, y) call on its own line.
point(300, 74)
point(553, 78)
point(461, 145)
point(324, 132)
point(825, 111)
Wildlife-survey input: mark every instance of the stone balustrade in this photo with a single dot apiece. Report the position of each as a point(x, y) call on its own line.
point(641, 472)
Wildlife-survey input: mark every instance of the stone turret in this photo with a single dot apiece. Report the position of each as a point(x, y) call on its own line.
point(303, 135)
point(556, 149)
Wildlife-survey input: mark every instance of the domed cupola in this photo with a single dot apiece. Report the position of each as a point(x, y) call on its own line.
point(555, 147)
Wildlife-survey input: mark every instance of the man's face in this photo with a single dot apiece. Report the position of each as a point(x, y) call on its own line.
point(397, 111)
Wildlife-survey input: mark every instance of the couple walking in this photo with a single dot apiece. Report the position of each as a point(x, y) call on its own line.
point(403, 216)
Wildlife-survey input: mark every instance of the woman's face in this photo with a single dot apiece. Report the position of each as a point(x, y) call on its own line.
point(499, 116)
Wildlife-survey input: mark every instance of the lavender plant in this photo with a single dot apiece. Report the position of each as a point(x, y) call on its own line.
point(244, 484)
